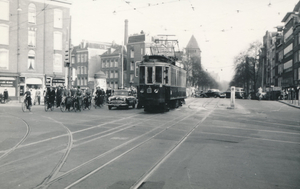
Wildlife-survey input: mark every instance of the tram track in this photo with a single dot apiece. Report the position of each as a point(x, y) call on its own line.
point(175, 121)
point(9, 151)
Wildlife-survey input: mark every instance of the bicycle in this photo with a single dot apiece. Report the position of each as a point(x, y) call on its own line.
point(87, 104)
point(25, 105)
point(48, 105)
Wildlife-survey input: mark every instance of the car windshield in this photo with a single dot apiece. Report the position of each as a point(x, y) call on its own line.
point(121, 93)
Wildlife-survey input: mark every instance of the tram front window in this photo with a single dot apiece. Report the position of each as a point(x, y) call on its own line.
point(149, 74)
point(158, 74)
point(142, 74)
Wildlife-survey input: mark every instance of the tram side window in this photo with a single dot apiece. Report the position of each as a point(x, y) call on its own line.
point(166, 78)
point(142, 74)
point(149, 74)
point(158, 74)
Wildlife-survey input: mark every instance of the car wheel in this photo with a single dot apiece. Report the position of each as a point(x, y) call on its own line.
point(109, 107)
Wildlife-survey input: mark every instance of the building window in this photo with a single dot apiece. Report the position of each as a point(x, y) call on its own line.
point(132, 66)
point(57, 63)
point(116, 74)
point(57, 41)
point(116, 63)
point(103, 64)
point(107, 63)
point(32, 13)
point(111, 63)
point(85, 57)
point(4, 37)
point(131, 53)
point(4, 10)
point(112, 85)
point(31, 60)
point(131, 77)
point(116, 85)
point(111, 74)
point(4, 59)
point(82, 58)
point(78, 58)
point(31, 38)
point(58, 18)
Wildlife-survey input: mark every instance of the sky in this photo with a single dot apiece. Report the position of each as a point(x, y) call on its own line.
point(222, 28)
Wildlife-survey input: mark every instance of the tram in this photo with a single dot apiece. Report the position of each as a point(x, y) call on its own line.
point(162, 83)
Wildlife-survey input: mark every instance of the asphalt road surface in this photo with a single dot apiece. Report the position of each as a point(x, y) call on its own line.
point(202, 144)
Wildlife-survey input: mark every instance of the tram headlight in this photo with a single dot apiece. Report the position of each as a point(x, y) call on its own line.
point(142, 91)
point(156, 90)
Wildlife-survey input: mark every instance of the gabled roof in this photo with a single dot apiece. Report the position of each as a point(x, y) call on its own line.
point(193, 44)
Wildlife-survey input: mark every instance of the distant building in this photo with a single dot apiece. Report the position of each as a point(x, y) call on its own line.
point(111, 65)
point(34, 37)
point(137, 47)
point(86, 62)
point(192, 48)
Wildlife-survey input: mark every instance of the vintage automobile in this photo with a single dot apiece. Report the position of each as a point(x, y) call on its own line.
point(211, 93)
point(121, 98)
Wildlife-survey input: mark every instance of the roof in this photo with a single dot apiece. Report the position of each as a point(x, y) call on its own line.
point(192, 44)
point(100, 74)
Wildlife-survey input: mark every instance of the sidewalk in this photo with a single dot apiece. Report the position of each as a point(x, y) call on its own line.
point(293, 103)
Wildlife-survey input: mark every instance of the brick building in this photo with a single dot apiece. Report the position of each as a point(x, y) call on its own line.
point(34, 37)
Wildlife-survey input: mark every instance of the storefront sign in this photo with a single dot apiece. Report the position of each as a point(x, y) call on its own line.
point(7, 83)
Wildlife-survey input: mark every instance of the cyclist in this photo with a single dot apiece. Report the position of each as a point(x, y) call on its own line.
point(78, 96)
point(28, 98)
point(87, 98)
point(259, 93)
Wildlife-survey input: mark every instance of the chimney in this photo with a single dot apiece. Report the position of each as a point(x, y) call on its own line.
point(126, 33)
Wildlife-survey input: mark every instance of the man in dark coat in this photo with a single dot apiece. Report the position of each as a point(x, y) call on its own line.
point(58, 96)
point(5, 94)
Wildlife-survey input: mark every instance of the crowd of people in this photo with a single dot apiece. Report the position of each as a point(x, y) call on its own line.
point(53, 96)
point(4, 96)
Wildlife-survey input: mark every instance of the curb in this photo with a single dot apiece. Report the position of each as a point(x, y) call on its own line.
point(292, 105)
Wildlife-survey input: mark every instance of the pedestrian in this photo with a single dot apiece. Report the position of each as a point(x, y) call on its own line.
point(52, 96)
point(5, 95)
point(58, 96)
point(38, 96)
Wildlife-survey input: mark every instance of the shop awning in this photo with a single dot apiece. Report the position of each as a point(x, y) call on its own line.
point(34, 81)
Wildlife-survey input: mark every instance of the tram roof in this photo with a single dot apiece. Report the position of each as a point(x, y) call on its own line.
point(160, 58)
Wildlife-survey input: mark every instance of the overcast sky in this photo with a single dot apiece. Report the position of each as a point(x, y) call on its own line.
point(222, 28)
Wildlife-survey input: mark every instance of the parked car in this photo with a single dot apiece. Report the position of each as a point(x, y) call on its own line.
point(121, 98)
point(199, 94)
point(223, 95)
point(212, 93)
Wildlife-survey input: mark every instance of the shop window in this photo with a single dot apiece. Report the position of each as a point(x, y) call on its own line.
point(4, 59)
point(4, 10)
point(4, 37)
point(32, 13)
point(31, 60)
point(31, 38)
point(58, 18)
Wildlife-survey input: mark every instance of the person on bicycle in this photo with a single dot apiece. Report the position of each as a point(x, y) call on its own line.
point(78, 96)
point(27, 96)
point(52, 96)
point(87, 98)
point(58, 96)
point(259, 93)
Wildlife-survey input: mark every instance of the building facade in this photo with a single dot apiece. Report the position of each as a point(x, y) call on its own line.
point(86, 62)
point(138, 45)
point(34, 37)
point(111, 65)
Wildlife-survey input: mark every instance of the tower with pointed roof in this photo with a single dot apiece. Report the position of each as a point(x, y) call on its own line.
point(192, 48)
